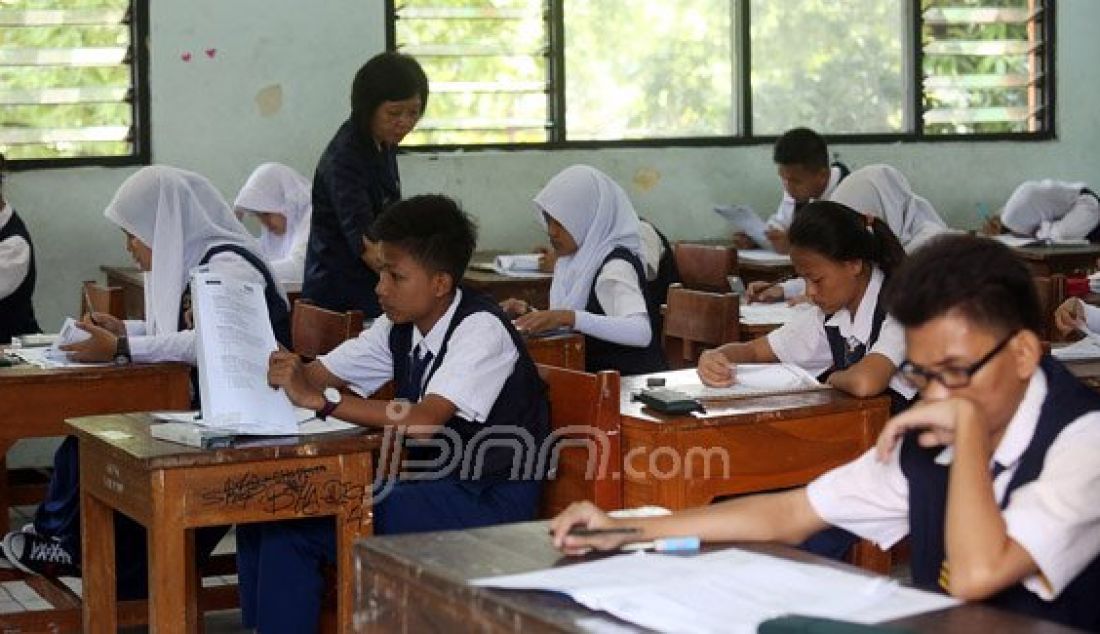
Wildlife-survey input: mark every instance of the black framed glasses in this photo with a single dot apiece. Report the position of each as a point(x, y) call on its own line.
point(951, 378)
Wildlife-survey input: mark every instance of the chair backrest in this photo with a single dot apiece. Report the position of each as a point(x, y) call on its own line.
point(104, 299)
point(584, 424)
point(1052, 292)
point(696, 320)
point(705, 267)
point(315, 330)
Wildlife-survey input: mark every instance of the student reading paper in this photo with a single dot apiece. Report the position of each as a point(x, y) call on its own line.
point(280, 198)
point(173, 221)
point(17, 272)
point(469, 384)
point(992, 476)
point(599, 279)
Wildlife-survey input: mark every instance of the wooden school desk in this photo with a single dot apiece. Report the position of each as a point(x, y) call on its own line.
point(1067, 260)
point(763, 272)
point(37, 401)
point(534, 291)
point(417, 583)
point(173, 489)
point(563, 350)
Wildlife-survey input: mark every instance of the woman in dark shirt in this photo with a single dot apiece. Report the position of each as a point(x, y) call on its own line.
point(356, 179)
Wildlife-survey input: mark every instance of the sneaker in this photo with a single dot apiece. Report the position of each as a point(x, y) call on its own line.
point(38, 555)
point(29, 529)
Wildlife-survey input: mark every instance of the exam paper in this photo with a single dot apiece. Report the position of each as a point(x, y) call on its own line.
point(746, 221)
point(762, 313)
point(762, 256)
point(757, 379)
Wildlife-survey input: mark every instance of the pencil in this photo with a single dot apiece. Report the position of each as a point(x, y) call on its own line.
point(582, 531)
point(88, 304)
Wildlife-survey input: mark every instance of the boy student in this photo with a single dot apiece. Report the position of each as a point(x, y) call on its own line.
point(993, 474)
point(17, 272)
point(472, 386)
point(802, 158)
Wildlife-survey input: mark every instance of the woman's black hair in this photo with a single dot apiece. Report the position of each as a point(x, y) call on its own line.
point(388, 76)
point(840, 233)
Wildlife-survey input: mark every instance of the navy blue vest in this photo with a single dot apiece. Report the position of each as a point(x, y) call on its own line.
point(1094, 235)
point(628, 360)
point(1067, 399)
point(16, 310)
point(507, 444)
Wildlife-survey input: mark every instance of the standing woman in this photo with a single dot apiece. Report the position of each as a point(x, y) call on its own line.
point(280, 199)
point(356, 179)
point(17, 272)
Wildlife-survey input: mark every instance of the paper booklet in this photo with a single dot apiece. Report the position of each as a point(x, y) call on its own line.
point(746, 221)
point(1031, 241)
point(760, 313)
point(519, 265)
point(757, 379)
point(762, 256)
point(234, 340)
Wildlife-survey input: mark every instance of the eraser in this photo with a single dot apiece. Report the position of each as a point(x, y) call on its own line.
point(676, 544)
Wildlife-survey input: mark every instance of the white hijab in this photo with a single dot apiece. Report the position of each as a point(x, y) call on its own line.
point(1036, 202)
point(598, 215)
point(276, 188)
point(180, 216)
point(882, 191)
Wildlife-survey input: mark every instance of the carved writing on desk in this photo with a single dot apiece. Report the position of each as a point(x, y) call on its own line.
point(304, 491)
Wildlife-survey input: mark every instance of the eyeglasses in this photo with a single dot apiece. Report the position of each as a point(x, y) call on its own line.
point(951, 378)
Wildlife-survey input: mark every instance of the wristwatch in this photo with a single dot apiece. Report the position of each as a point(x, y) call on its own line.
point(122, 351)
point(332, 398)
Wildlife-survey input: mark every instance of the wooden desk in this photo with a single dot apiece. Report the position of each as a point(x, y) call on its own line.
point(755, 331)
point(417, 583)
point(1067, 260)
point(173, 489)
point(132, 282)
point(534, 291)
point(1087, 371)
point(563, 350)
point(36, 402)
point(757, 272)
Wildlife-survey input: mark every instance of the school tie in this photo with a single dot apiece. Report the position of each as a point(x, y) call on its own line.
point(416, 373)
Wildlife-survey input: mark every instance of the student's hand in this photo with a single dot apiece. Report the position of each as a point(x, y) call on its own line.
point(779, 239)
point(101, 346)
point(714, 369)
point(741, 240)
point(798, 299)
point(515, 307)
point(286, 370)
point(1070, 315)
point(372, 254)
point(543, 320)
point(938, 421)
point(548, 259)
point(108, 321)
point(992, 226)
point(764, 292)
point(584, 515)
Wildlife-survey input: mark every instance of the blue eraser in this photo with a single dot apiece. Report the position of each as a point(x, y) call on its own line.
point(676, 544)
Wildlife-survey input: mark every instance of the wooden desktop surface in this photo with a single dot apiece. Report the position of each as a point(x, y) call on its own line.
point(1067, 260)
point(417, 583)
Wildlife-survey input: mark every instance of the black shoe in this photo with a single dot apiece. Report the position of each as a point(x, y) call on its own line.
point(38, 555)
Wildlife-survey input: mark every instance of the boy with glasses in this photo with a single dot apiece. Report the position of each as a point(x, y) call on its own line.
point(993, 475)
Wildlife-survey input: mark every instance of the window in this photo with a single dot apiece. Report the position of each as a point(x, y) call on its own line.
point(71, 81)
point(582, 72)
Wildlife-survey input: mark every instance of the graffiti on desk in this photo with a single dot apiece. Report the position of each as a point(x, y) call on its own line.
point(304, 491)
point(112, 479)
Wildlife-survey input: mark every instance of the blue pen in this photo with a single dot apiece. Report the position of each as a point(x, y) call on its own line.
point(685, 544)
point(983, 210)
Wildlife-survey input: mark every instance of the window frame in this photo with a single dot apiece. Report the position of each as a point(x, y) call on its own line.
point(742, 30)
point(139, 85)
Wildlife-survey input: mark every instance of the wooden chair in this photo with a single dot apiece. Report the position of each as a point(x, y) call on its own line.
point(1052, 292)
point(315, 330)
point(584, 422)
point(705, 267)
point(104, 299)
point(696, 320)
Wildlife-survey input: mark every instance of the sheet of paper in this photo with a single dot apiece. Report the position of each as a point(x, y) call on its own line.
point(1015, 241)
point(517, 262)
point(762, 256)
point(746, 221)
point(760, 313)
point(235, 339)
point(308, 423)
point(756, 379)
point(1086, 349)
point(726, 591)
point(68, 334)
point(42, 358)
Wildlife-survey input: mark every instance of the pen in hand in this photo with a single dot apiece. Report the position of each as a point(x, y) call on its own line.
point(584, 531)
point(89, 306)
point(759, 292)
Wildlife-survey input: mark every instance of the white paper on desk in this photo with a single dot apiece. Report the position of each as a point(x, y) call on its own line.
point(757, 379)
point(308, 423)
point(234, 340)
point(726, 591)
point(762, 256)
point(41, 357)
point(761, 313)
point(1086, 349)
point(746, 221)
point(68, 334)
point(517, 262)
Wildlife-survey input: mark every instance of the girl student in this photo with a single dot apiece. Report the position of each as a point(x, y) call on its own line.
point(280, 198)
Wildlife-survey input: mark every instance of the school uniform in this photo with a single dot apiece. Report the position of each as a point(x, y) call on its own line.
point(788, 206)
point(1053, 210)
point(1045, 473)
point(276, 188)
point(660, 265)
point(618, 291)
point(355, 180)
point(472, 357)
point(17, 277)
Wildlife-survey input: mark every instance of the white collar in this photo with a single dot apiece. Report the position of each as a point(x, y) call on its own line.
point(6, 212)
point(834, 180)
point(1020, 430)
point(434, 339)
point(860, 327)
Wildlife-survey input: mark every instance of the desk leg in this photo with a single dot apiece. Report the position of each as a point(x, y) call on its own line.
point(173, 606)
point(5, 495)
point(352, 522)
point(98, 551)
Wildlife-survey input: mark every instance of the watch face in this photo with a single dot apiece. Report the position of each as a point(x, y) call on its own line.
point(333, 395)
point(121, 359)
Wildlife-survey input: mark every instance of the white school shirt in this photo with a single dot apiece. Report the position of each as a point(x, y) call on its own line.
point(15, 257)
point(802, 341)
point(784, 214)
point(179, 347)
point(1077, 222)
point(1055, 518)
point(626, 319)
point(1092, 317)
point(480, 357)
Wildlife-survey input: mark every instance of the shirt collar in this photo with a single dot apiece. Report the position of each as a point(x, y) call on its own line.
point(834, 180)
point(434, 339)
point(860, 327)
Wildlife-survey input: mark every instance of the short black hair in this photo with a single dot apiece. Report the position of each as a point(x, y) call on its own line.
point(843, 234)
point(388, 76)
point(433, 229)
point(977, 278)
point(801, 146)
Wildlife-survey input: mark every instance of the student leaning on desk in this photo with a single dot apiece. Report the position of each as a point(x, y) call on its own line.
point(993, 475)
point(173, 221)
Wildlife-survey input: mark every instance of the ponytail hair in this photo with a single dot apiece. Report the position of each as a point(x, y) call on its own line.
point(840, 233)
